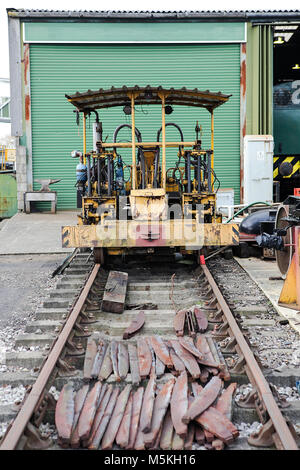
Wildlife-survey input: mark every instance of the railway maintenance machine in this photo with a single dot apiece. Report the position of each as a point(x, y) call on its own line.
point(154, 209)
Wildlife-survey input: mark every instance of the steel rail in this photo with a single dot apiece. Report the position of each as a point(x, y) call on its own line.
point(279, 423)
point(11, 439)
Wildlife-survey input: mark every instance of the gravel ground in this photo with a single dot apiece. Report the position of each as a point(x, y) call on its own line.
point(25, 281)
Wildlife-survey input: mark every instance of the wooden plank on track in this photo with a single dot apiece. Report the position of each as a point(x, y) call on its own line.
point(115, 292)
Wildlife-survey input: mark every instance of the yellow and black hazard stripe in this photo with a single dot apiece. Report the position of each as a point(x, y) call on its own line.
point(293, 160)
point(235, 236)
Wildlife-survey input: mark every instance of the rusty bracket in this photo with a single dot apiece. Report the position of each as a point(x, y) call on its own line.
point(238, 367)
point(282, 403)
point(86, 318)
point(65, 369)
point(45, 403)
point(72, 348)
point(34, 439)
point(264, 437)
point(81, 331)
point(228, 345)
point(216, 317)
point(221, 330)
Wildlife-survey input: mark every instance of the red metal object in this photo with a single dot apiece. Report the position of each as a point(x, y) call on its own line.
point(64, 414)
point(123, 361)
point(179, 321)
point(88, 412)
point(148, 403)
point(188, 344)
point(145, 357)
point(122, 437)
point(116, 418)
point(161, 404)
point(105, 419)
point(202, 259)
point(134, 364)
point(90, 354)
point(296, 191)
point(187, 358)
point(135, 325)
point(106, 367)
point(136, 411)
point(100, 412)
point(179, 404)
point(114, 347)
point(204, 400)
point(161, 350)
point(167, 432)
point(201, 319)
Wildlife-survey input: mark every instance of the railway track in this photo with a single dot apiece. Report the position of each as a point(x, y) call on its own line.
point(73, 312)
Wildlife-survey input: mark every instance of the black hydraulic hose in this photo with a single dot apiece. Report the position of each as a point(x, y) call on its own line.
point(137, 132)
point(156, 163)
point(188, 169)
point(170, 124)
point(88, 161)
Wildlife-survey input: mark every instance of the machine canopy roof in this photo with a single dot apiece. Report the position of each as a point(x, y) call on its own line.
point(93, 100)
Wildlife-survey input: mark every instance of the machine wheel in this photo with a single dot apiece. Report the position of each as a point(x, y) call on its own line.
point(99, 256)
point(283, 257)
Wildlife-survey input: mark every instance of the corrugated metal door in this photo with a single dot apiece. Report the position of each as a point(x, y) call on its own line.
point(59, 69)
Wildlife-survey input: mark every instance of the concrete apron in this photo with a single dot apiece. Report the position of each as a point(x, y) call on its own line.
point(35, 233)
point(260, 271)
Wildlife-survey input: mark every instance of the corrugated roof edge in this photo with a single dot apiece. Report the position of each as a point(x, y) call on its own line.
point(156, 15)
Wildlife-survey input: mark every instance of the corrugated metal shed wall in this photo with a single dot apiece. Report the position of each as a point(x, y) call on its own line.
point(59, 69)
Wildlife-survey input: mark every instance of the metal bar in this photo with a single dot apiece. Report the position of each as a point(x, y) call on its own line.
point(163, 163)
point(19, 424)
point(84, 138)
point(149, 144)
point(261, 384)
point(133, 143)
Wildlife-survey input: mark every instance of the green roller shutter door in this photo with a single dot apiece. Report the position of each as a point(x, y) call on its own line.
point(59, 69)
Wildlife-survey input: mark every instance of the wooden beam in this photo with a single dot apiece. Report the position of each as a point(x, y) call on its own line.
point(115, 292)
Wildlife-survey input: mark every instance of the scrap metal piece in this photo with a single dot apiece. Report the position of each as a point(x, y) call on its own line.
point(148, 403)
point(179, 404)
point(188, 443)
point(178, 364)
point(167, 432)
point(116, 418)
point(188, 344)
point(88, 412)
point(135, 325)
point(145, 357)
point(187, 358)
point(159, 367)
point(100, 413)
point(106, 367)
point(204, 400)
point(205, 436)
point(161, 404)
point(224, 403)
point(115, 292)
point(179, 321)
point(105, 419)
point(101, 350)
point(90, 354)
point(134, 364)
point(216, 423)
point(78, 404)
point(64, 413)
point(161, 350)
point(122, 437)
point(135, 419)
point(114, 346)
point(201, 319)
point(123, 360)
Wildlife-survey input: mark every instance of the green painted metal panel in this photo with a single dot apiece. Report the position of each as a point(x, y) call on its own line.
point(8, 195)
point(259, 80)
point(59, 69)
point(133, 32)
